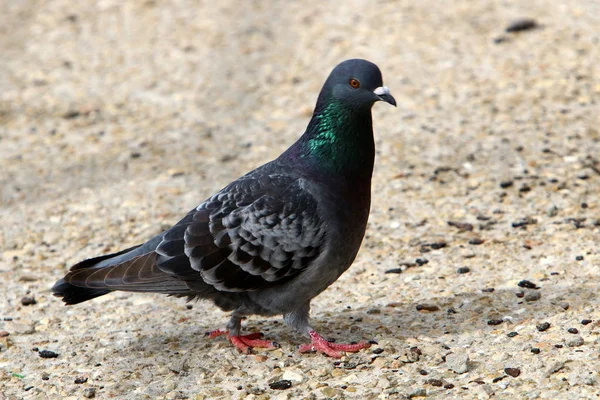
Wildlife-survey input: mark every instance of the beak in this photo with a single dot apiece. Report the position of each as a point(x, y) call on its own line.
point(384, 95)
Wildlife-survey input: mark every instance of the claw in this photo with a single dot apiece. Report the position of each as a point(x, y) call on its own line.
point(320, 344)
point(245, 342)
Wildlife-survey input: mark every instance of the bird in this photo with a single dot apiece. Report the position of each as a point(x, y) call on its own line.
point(273, 239)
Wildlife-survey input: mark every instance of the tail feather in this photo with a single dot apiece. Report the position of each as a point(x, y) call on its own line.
point(140, 273)
point(73, 294)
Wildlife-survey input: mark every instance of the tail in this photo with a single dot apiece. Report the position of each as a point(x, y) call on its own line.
point(131, 270)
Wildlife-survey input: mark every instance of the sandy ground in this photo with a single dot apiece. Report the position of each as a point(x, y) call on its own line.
point(116, 118)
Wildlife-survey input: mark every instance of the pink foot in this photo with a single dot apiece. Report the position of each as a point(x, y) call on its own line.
point(322, 345)
point(245, 342)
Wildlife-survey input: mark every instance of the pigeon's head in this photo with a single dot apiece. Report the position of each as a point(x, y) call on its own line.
point(356, 84)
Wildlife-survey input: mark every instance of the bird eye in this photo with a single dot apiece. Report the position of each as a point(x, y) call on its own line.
point(354, 83)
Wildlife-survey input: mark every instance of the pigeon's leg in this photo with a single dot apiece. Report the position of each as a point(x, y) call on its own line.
point(242, 342)
point(298, 320)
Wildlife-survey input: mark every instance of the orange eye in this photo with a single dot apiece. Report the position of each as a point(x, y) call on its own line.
point(354, 83)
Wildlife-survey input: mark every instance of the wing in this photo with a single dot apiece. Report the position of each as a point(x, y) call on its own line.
point(256, 233)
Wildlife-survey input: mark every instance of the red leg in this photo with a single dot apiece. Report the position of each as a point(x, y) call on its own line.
point(320, 344)
point(245, 342)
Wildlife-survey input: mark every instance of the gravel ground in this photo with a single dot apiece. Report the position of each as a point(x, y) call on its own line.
point(479, 273)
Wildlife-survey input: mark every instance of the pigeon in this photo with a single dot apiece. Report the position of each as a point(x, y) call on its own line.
point(272, 240)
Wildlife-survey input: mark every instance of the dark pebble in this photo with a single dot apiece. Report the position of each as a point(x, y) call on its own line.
point(512, 334)
point(427, 307)
point(463, 270)
point(378, 350)
point(520, 25)
point(524, 222)
point(586, 321)
point(189, 306)
point(528, 284)
point(520, 294)
point(579, 258)
point(423, 372)
point(48, 354)
point(28, 301)
point(79, 380)
point(476, 242)
point(494, 322)
point(498, 379)
point(514, 372)
point(558, 346)
point(525, 188)
point(435, 382)
point(535, 350)
point(463, 226)
point(4, 333)
point(573, 331)
point(135, 154)
point(449, 386)
point(488, 290)
point(421, 261)
point(281, 385)
point(438, 245)
point(544, 326)
point(394, 271)
point(71, 114)
point(506, 184)
point(45, 376)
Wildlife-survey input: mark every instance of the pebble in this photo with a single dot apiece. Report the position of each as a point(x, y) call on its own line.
point(463, 270)
point(281, 385)
point(535, 350)
point(573, 330)
point(458, 362)
point(527, 284)
point(4, 333)
point(544, 326)
point(28, 300)
point(575, 342)
point(523, 24)
point(586, 321)
point(48, 354)
point(514, 372)
point(533, 296)
point(427, 307)
point(89, 393)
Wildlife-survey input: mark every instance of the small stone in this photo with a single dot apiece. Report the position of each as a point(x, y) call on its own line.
point(514, 372)
point(89, 393)
point(427, 307)
point(506, 184)
point(45, 376)
point(378, 350)
point(557, 366)
point(564, 305)
point(476, 241)
point(448, 386)
point(421, 261)
point(523, 24)
point(281, 385)
point(463, 270)
point(494, 322)
point(28, 301)
point(463, 226)
point(80, 379)
point(4, 333)
point(423, 372)
point(527, 284)
point(535, 350)
point(435, 382)
point(573, 331)
point(544, 326)
point(575, 342)
point(458, 362)
point(48, 354)
point(579, 258)
point(533, 296)
point(586, 321)
point(511, 334)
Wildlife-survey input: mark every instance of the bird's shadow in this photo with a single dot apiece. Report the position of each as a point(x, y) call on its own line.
point(503, 309)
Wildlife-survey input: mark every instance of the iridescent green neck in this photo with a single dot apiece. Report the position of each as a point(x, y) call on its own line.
point(340, 139)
